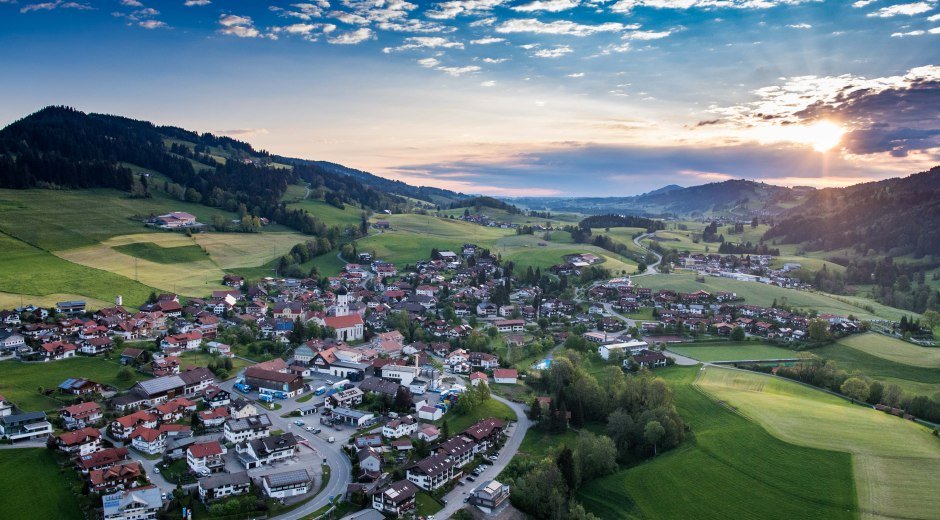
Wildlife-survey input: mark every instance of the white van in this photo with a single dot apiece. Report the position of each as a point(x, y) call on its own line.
point(331, 439)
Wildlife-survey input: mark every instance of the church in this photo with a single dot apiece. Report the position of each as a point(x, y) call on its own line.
point(348, 326)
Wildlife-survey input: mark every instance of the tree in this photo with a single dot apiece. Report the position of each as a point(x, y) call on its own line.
point(737, 334)
point(892, 396)
point(445, 431)
point(596, 455)
point(931, 319)
point(856, 388)
point(653, 432)
point(619, 428)
point(818, 330)
point(569, 470)
point(125, 374)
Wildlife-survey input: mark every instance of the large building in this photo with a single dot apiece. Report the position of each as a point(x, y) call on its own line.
point(224, 485)
point(286, 484)
point(271, 381)
point(22, 426)
point(133, 504)
point(397, 498)
point(489, 496)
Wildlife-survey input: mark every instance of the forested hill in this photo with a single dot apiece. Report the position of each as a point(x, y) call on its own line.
point(60, 147)
point(898, 217)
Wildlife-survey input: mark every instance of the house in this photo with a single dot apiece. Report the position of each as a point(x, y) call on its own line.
point(241, 408)
point(174, 409)
point(429, 413)
point(81, 415)
point(505, 326)
point(22, 426)
point(370, 460)
point(505, 375)
point(159, 390)
point(80, 386)
point(379, 386)
point(176, 219)
point(489, 496)
point(478, 378)
point(487, 309)
point(401, 427)
point(224, 485)
point(286, 484)
point(247, 428)
point(205, 457)
point(147, 440)
point(648, 359)
point(396, 499)
point(483, 360)
point(131, 356)
point(485, 432)
point(56, 350)
point(352, 417)
point(79, 443)
point(627, 348)
point(186, 341)
point(267, 450)
point(70, 308)
point(122, 475)
point(214, 417)
point(132, 504)
point(101, 459)
point(347, 328)
point(214, 396)
point(431, 473)
point(10, 341)
point(459, 449)
point(429, 433)
point(122, 427)
point(400, 374)
point(270, 381)
point(95, 346)
point(345, 399)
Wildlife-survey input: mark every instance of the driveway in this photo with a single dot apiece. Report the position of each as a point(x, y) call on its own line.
point(516, 434)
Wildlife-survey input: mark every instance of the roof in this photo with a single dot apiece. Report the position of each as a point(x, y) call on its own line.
point(270, 375)
point(149, 497)
point(343, 322)
point(225, 479)
point(434, 465)
point(205, 449)
point(398, 492)
point(348, 412)
point(161, 384)
point(500, 373)
point(288, 478)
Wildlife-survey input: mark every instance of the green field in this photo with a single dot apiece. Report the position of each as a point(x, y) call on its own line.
point(19, 382)
point(537, 442)
point(731, 469)
point(330, 214)
point(911, 379)
point(489, 408)
point(34, 486)
point(162, 255)
point(893, 349)
point(764, 294)
point(30, 271)
point(730, 351)
point(894, 461)
point(425, 505)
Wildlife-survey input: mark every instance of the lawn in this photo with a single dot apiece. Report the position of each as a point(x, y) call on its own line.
point(538, 442)
point(30, 271)
point(912, 379)
point(162, 255)
point(744, 351)
point(330, 214)
point(34, 486)
point(425, 505)
point(732, 468)
point(66, 219)
point(194, 278)
point(894, 460)
point(893, 349)
point(764, 294)
point(489, 408)
point(202, 359)
point(19, 381)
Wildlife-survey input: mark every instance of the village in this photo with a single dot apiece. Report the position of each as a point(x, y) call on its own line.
point(365, 375)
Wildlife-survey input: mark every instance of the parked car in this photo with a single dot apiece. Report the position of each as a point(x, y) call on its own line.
point(298, 422)
point(471, 478)
point(331, 439)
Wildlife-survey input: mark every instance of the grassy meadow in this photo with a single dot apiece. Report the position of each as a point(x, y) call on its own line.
point(330, 214)
point(19, 382)
point(731, 468)
point(764, 294)
point(894, 461)
point(731, 351)
point(35, 486)
point(489, 408)
point(911, 379)
point(893, 349)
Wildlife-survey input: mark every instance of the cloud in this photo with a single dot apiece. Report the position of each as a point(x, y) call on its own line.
point(352, 37)
point(242, 132)
point(575, 75)
point(459, 71)
point(627, 6)
point(800, 26)
point(555, 52)
point(152, 24)
point(489, 83)
point(424, 42)
point(429, 63)
point(902, 10)
point(132, 3)
point(562, 27)
point(934, 18)
point(454, 8)
point(551, 6)
point(196, 3)
point(58, 4)
point(909, 33)
point(240, 26)
point(894, 114)
point(863, 3)
point(646, 35)
point(494, 60)
point(487, 41)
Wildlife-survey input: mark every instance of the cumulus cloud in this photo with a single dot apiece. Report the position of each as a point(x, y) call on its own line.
point(494, 60)
point(240, 26)
point(459, 71)
point(576, 75)
point(800, 26)
point(454, 8)
point(429, 63)
point(424, 42)
point(152, 24)
point(196, 3)
point(894, 114)
point(352, 37)
point(902, 10)
point(58, 4)
point(551, 6)
point(627, 6)
point(132, 3)
point(487, 41)
point(562, 27)
point(554, 52)
point(646, 35)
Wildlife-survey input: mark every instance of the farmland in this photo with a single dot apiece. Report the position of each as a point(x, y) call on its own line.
point(730, 351)
point(19, 382)
point(894, 350)
point(912, 379)
point(329, 214)
point(35, 487)
point(894, 461)
point(731, 469)
point(764, 295)
point(30, 271)
point(234, 250)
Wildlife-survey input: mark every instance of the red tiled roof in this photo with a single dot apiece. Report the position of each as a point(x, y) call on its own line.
point(205, 449)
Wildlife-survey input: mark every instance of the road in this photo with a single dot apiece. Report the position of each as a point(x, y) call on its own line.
point(455, 498)
point(651, 268)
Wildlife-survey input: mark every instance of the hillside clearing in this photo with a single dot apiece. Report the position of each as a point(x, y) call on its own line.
point(883, 447)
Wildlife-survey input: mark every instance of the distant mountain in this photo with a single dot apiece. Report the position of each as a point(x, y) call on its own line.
point(898, 217)
point(740, 198)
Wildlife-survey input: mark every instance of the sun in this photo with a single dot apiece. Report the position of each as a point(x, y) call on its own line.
point(823, 135)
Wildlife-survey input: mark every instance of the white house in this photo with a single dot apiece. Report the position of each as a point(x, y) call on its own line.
point(247, 428)
point(286, 484)
point(505, 376)
point(627, 348)
point(404, 426)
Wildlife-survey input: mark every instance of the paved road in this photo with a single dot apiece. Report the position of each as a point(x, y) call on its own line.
point(651, 268)
point(518, 430)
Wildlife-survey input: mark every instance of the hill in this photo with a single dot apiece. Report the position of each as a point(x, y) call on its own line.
point(736, 198)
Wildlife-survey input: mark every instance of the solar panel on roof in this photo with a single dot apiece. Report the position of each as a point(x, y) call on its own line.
point(288, 478)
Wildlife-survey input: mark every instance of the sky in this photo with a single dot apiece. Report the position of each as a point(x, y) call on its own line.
point(509, 97)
